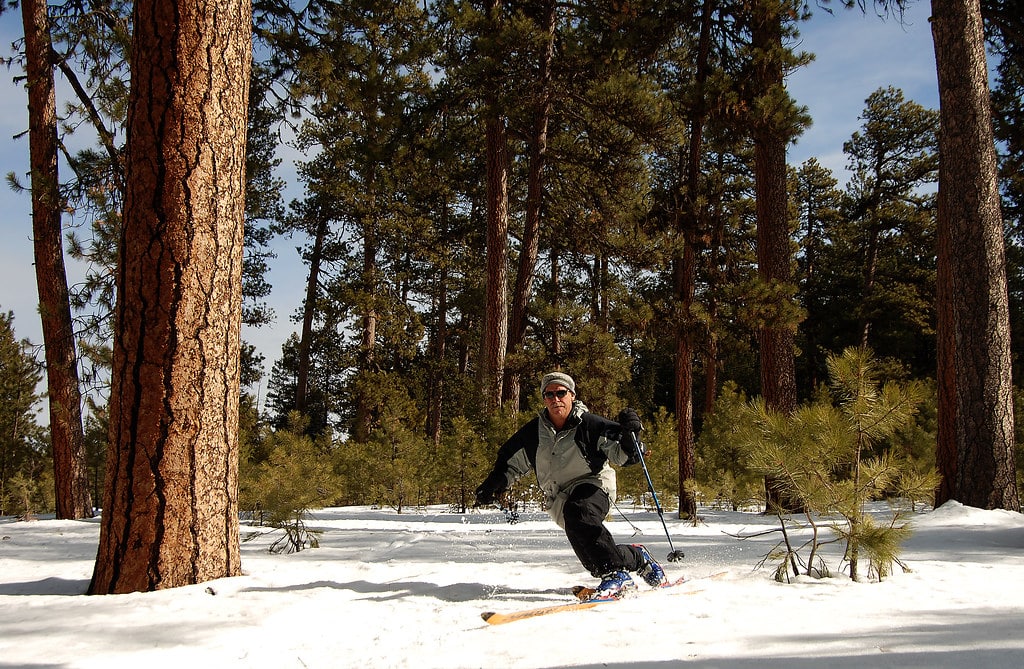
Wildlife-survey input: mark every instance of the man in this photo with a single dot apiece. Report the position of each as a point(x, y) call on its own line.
point(571, 451)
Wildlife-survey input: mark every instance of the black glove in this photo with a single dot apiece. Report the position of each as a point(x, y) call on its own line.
point(631, 426)
point(489, 490)
point(629, 421)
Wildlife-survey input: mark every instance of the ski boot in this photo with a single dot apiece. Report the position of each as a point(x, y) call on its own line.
point(614, 585)
point(651, 571)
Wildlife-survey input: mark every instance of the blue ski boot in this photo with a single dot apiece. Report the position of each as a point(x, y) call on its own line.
point(651, 571)
point(614, 585)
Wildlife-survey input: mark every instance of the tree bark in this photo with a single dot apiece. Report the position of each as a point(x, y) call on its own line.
point(305, 352)
point(686, 272)
point(685, 282)
point(496, 320)
point(438, 349)
point(71, 475)
point(170, 513)
point(495, 335)
point(534, 200)
point(976, 442)
point(775, 340)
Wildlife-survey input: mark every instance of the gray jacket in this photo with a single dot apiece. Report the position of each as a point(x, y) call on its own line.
point(581, 452)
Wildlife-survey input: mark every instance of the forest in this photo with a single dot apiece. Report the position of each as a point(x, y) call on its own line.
point(493, 189)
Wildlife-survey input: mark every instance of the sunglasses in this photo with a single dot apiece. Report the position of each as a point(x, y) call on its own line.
point(552, 394)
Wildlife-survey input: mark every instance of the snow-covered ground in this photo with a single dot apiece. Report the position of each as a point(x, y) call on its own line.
point(388, 590)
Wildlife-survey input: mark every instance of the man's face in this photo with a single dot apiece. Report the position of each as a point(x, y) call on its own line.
point(558, 400)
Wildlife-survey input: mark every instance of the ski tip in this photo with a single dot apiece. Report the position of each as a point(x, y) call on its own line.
point(486, 615)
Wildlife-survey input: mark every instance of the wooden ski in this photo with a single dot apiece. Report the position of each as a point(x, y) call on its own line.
point(496, 618)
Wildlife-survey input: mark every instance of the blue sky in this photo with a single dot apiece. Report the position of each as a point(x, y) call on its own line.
point(855, 55)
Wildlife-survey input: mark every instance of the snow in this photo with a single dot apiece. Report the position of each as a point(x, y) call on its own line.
point(390, 590)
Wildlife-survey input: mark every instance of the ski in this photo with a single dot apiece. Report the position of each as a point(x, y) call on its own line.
point(496, 618)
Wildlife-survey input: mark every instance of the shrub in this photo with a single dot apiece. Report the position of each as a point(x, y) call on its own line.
point(831, 455)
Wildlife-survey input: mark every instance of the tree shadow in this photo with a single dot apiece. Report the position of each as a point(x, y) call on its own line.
point(455, 592)
point(46, 586)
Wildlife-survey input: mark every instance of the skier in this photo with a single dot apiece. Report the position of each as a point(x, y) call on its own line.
point(570, 450)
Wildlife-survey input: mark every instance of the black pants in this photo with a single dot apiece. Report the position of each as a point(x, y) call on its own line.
point(584, 515)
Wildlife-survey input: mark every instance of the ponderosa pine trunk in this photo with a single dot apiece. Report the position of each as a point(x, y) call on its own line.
point(71, 474)
point(688, 225)
point(170, 512)
point(495, 335)
point(685, 271)
point(309, 307)
point(534, 199)
point(975, 452)
point(775, 337)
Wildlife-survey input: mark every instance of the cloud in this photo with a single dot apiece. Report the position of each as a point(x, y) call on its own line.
point(855, 55)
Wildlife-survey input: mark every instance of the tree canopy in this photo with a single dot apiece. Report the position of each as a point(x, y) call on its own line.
point(634, 154)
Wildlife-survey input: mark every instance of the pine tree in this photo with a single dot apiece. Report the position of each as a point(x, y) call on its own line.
point(873, 278)
point(832, 455)
point(170, 514)
point(775, 120)
point(294, 474)
point(817, 201)
point(263, 207)
point(892, 159)
point(363, 67)
point(282, 387)
point(90, 46)
point(723, 476)
point(65, 396)
point(19, 431)
point(545, 19)
point(495, 333)
point(1004, 29)
point(976, 428)
point(462, 461)
point(388, 468)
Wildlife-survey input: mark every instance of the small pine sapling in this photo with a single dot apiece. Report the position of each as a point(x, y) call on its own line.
point(296, 476)
point(830, 455)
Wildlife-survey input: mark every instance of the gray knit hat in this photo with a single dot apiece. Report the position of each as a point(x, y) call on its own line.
point(560, 378)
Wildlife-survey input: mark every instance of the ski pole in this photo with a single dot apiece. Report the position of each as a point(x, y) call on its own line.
point(674, 555)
